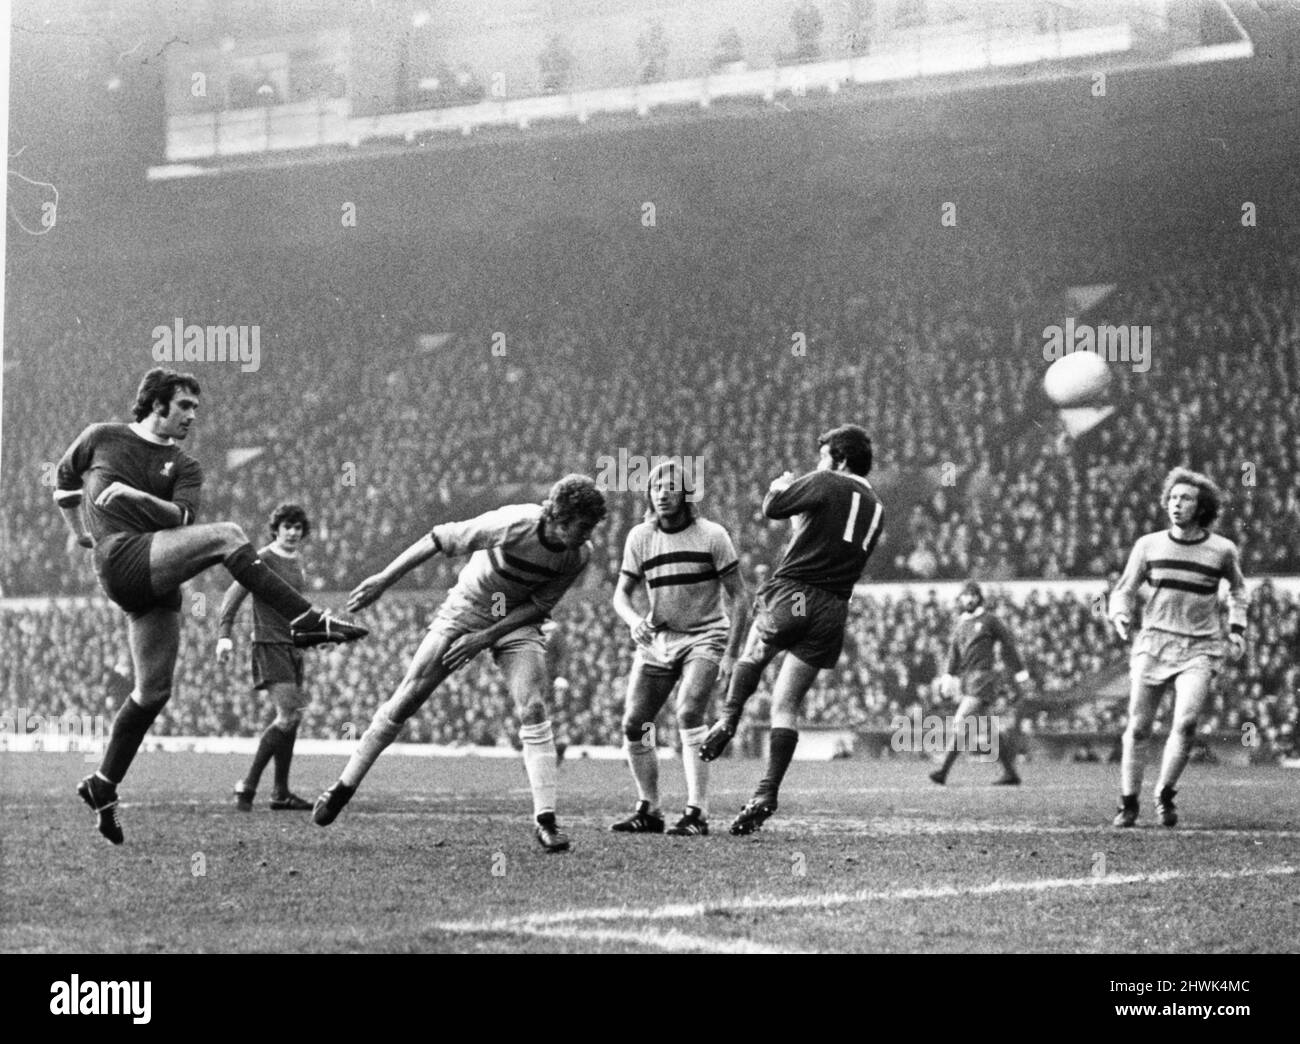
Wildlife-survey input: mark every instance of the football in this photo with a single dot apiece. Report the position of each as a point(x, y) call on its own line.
point(1077, 379)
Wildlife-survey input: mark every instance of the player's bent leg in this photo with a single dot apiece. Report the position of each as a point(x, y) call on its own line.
point(1191, 689)
point(424, 674)
point(523, 662)
point(154, 640)
point(745, 677)
point(792, 684)
point(647, 690)
point(1143, 700)
point(698, 679)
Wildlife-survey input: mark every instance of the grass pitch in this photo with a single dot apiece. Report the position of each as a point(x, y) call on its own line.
point(437, 855)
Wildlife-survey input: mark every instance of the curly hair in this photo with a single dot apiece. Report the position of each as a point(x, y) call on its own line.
point(159, 385)
point(289, 513)
point(851, 444)
point(576, 496)
point(1209, 497)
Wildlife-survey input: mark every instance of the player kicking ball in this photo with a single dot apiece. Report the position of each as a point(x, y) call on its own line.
point(971, 670)
point(523, 558)
point(140, 493)
point(277, 664)
point(686, 639)
point(803, 607)
point(1181, 641)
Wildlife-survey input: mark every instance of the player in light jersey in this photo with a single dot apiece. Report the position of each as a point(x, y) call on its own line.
point(523, 558)
point(277, 664)
point(140, 494)
point(1181, 640)
point(803, 607)
point(685, 563)
point(971, 671)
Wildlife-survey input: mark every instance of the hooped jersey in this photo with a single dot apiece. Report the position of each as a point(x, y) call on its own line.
point(683, 572)
point(1184, 576)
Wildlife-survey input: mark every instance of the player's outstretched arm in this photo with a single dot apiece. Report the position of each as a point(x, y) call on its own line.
point(372, 587)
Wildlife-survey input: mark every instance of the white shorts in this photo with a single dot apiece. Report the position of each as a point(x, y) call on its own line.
point(672, 650)
point(1160, 656)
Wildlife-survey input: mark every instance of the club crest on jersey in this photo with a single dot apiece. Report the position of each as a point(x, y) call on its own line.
point(167, 468)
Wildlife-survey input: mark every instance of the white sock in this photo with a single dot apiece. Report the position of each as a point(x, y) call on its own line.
point(643, 759)
point(697, 771)
point(1178, 748)
point(380, 733)
point(1132, 764)
point(541, 764)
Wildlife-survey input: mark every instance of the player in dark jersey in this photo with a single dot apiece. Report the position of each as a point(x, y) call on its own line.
point(277, 663)
point(140, 494)
point(972, 672)
point(1181, 642)
point(803, 606)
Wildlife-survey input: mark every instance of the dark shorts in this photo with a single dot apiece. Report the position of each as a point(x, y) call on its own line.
point(122, 562)
point(276, 663)
point(984, 686)
point(806, 621)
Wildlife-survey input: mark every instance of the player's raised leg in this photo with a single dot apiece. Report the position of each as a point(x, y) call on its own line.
point(1144, 698)
point(648, 688)
point(424, 674)
point(154, 639)
point(1190, 691)
point(792, 684)
point(177, 555)
point(698, 679)
point(744, 683)
point(523, 662)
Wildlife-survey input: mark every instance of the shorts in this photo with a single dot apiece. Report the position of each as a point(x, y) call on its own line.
point(1160, 656)
point(122, 562)
point(796, 618)
point(276, 663)
point(529, 638)
point(982, 685)
point(673, 650)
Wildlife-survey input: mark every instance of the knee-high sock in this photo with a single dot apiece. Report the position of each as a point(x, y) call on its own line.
point(697, 771)
point(1132, 764)
point(780, 751)
point(380, 733)
point(254, 574)
point(129, 727)
point(1006, 750)
point(643, 760)
point(1178, 748)
point(283, 758)
point(744, 682)
point(266, 748)
point(541, 764)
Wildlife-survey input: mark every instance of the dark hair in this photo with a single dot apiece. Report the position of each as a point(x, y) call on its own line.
point(159, 385)
point(850, 444)
point(682, 481)
point(576, 496)
point(289, 513)
point(972, 588)
point(1209, 497)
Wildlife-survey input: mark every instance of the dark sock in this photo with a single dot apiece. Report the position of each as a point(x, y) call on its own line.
point(1007, 755)
point(744, 682)
point(283, 756)
point(780, 749)
point(254, 574)
point(129, 727)
point(265, 751)
point(948, 760)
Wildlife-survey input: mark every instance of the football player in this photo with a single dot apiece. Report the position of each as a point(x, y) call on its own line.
point(140, 493)
point(971, 672)
point(802, 608)
point(1181, 640)
point(523, 558)
point(685, 640)
point(277, 663)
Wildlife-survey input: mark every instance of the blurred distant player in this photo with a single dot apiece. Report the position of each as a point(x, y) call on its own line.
point(1181, 640)
point(524, 558)
point(141, 497)
point(277, 664)
point(972, 672)
point(685, 562)
point(803, 607)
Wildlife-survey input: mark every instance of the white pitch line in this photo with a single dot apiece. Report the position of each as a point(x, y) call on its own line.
point(682, 911)
point(672, 940)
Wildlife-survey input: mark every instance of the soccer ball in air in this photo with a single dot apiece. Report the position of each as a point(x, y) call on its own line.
point(1077, 379)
